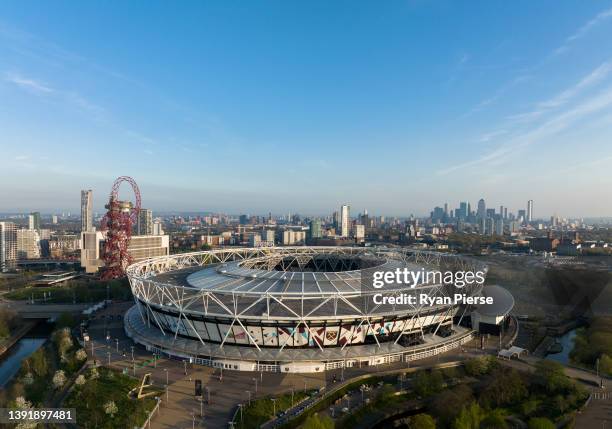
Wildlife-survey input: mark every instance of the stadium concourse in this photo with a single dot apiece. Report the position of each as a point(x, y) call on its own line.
point(295, 309)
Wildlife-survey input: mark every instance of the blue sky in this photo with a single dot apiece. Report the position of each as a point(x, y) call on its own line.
point(301, 106)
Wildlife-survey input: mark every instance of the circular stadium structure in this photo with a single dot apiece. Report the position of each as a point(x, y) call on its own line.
point(293, 309)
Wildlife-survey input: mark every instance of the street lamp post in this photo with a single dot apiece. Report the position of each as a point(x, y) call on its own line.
point(117, 344)
point(249, 393)
point(185, 366)
point(132, 347)
point(274, 406)
point(255, 380)
point(108, 354)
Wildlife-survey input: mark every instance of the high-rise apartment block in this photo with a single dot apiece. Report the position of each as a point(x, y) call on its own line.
point(34, 221)
point(8, 245)
point(86, 210)
point(344, 220)
point(530, 211)
point(144, 223)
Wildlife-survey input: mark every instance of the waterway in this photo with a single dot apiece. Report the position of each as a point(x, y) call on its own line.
point(567, 341)
point(11, 361)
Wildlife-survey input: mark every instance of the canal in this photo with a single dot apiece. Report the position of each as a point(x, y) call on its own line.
point(567, 342)
point(10, 362)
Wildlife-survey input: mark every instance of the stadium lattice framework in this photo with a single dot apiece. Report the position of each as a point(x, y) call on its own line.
point(292, 309)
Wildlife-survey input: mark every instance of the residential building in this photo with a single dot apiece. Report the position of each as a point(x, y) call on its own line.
point(28, 244)
point(86, 210)
point(144, 222)
point(34, 221)
point(345, 220)
point(8, 245)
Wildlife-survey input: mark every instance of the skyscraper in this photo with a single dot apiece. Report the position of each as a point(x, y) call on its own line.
point(482, 209)
point(315, 228)
point(463, 210)
point(8, 245)
point(344, 220)
point(34, 221)
point(144, 224)
point(530, 211)
point(86, 210)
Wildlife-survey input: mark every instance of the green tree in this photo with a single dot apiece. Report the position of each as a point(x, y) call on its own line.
point(506, 386)
point(550, 376)
point(422, 421)
point(495, 419)
point(316, 422)
point(428, 383)
point(605, 364)
point(480, 365)
point(447, 404)
point(470, 417)
point(541, 423)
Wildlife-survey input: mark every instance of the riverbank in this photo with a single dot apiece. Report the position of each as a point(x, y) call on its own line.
point(15, 336)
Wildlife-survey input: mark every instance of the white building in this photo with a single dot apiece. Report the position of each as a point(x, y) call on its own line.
point(344, 220)
point(359, 232)
point(8, 245)
point(28, 244)
point(158, 228)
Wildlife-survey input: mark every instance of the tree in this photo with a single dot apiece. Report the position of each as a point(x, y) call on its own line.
point(80, 380)
point(426, 384)
point(494, 420)
point(447, 404)
point(541, 423)
point(422, 421)
point(316, 422)
point(469, 417)
point(605, 364)
point(480, 365)
point(506, 386)
point(38, 362)
point(22, 404)
point(551, 377)
point(59, 379)
point(81, 354)
point(110, 408)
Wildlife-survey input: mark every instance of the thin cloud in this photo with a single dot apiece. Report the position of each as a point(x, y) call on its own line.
point(582, 31)
point(549, 128)
point(28, 83)
point(592, 79)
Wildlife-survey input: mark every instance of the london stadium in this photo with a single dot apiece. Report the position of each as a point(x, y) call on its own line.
point(293, 309)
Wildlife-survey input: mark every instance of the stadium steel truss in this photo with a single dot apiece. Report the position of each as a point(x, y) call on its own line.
point(297, 309)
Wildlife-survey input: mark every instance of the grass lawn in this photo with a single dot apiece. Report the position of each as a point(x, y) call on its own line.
point(90, 399)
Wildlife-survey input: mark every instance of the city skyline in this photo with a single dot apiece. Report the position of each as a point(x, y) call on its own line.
point(237, 109)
